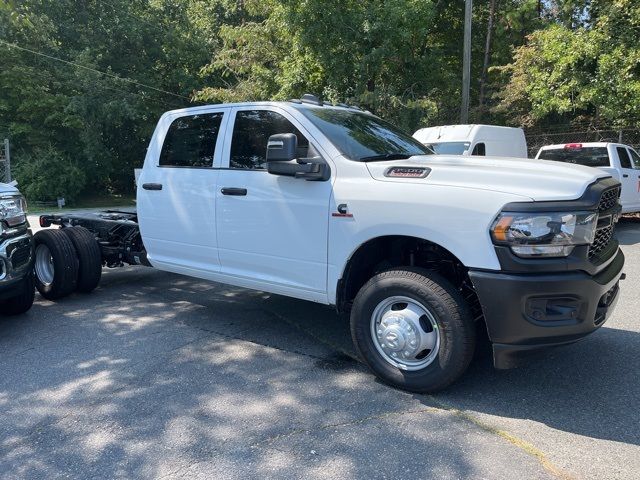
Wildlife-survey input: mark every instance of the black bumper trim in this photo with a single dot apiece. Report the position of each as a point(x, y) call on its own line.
point(505, 299)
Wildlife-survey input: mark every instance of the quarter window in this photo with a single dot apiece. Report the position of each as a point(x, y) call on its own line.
point(251, 133)
point(479, 149)
point(191, 141)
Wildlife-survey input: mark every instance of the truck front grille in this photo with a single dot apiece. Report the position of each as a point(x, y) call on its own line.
point(609, 199)
point(20, 256)
point(601, 241)
point(607, 207)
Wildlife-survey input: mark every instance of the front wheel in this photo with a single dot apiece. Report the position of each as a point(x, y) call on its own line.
point(413, 329)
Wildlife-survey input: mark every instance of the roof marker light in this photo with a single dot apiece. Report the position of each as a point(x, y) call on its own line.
point(573, 146)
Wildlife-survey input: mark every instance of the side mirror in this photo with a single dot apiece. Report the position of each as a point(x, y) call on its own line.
point(282, 147)
point(281, 160)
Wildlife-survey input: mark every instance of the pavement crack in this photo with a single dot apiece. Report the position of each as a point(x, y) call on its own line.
point(509, 437)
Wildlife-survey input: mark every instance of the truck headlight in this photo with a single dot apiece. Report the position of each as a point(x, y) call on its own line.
point(544, 234)
point(13, 210)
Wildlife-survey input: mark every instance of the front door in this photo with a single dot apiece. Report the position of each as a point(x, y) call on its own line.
point(272, 230)
point(630, 197)
point(176, 194)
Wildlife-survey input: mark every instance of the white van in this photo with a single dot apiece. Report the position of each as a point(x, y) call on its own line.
point(474, 140)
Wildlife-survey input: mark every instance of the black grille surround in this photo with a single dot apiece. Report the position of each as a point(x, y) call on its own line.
point(608, 212)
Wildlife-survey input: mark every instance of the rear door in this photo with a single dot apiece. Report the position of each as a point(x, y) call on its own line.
point(272, 230)
point(176, 193)
point(629, 179)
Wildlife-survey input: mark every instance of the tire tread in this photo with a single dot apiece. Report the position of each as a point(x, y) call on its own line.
point(65, 264)
point(89, 258)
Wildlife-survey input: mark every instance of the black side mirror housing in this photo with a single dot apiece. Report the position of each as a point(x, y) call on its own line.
point(281, 160)
point(282, 147)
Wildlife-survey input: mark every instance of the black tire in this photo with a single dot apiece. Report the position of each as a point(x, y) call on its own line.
point(456, 328)
point(65, 264)
point(22, 302)
point(89, 258)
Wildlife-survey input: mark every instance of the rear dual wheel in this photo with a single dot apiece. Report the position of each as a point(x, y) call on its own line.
point(66, 260)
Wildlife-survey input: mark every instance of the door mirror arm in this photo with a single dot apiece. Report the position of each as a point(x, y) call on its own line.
point(313, 169)
point(281, 160)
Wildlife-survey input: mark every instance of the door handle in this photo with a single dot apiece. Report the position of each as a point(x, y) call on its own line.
point(240, 192)
point(152, 186)
point(624, 175)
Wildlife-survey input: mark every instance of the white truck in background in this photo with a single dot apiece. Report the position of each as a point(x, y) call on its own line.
point(17, 288)
point(489, 140)
point(620, 161)
point(334, 205)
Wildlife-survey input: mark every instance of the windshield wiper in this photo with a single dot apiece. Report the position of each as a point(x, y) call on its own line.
point(386, 156)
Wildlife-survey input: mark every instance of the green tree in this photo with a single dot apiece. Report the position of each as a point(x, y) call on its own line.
point(588, 72)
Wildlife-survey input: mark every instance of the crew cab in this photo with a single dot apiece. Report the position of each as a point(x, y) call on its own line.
point(620, 161)
point(332, 204)
point(17, 289)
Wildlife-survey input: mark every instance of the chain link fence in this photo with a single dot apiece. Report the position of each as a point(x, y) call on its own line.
point(537, 139)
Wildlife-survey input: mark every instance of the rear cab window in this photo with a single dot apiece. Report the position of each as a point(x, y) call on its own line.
point(190, 141)
point(587, 156)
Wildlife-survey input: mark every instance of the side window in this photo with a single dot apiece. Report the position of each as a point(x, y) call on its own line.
point(623, 155)
point(191, 141)
point(635, 158)
point(251, 132)
point(479, 149)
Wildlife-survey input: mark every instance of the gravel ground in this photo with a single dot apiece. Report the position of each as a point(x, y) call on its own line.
point(156, 375)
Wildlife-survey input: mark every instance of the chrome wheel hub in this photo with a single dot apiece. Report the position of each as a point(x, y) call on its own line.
point(405, 333)
point(44, 264)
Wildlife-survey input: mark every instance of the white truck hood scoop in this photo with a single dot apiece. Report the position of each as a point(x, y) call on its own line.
point(537, 180)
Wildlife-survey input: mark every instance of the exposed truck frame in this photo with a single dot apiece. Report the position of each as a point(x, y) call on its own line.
point(117, 233)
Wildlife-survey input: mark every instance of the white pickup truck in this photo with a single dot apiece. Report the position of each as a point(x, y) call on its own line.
point(334, 205)
point(620, 161)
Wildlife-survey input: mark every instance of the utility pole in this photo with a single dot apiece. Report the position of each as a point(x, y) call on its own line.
point(466, 63)
point(7, 161)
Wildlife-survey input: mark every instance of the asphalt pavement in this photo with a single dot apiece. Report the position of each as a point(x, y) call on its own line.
point(156, 375)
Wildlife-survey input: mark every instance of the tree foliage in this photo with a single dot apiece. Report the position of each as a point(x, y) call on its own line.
point(587, 68)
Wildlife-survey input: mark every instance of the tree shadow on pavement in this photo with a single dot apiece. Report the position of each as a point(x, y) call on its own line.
point(157, 375)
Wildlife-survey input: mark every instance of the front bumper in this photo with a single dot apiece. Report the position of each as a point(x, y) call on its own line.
point(525, 312)
point(16, 261)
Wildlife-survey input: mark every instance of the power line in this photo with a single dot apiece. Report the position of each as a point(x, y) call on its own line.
point(124, 79)
point(165, 103)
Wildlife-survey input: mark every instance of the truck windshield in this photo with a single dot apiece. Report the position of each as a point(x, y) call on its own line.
point(587, 156)
point(449, 148)
point(364, 137)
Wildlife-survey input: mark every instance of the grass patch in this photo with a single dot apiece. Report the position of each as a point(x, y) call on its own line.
point(96, 202)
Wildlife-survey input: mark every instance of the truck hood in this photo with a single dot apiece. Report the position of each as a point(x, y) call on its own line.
point(6, 189)
point(537, 180)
